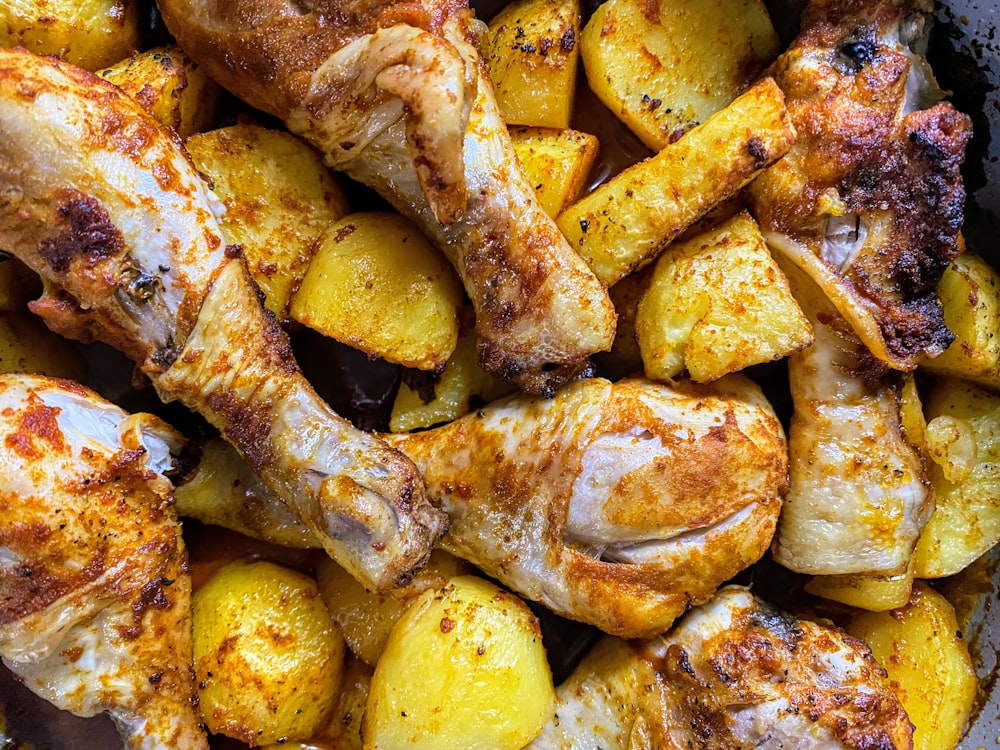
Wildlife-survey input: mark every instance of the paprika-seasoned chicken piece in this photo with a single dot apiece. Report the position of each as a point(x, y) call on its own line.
point(869, 200)
point(94, 589)
point(858, 496)
point(733, 673)
point(107, 208)
point(616, 504)
point(396, 95)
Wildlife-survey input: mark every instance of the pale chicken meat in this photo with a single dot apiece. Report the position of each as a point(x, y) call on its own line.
point(615, 504)
point(396, 95)
point(733, 673)
point(94, 588)
point(108, 209)
point(869, 200)
point(858, 495)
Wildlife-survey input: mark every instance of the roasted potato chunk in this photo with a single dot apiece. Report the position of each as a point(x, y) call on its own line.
point(533, 58)
point(876, 594)
point(966, 519)
point(280, 201)
point(92, 34)
point(168, 85)
point(268, 657)
point(928, 662)
point(717, 303)
point(626, 222)
point(463, 667)
point(664, 68)
point(970, 293)
point(557, 163)
point(379, 285)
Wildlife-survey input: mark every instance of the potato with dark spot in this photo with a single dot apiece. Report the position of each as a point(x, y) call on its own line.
point(268, 656)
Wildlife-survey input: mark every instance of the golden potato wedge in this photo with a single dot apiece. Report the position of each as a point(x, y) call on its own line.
point(464, 667)
point(532, 57)
point(170, 86)
point(92, 34)
point(366, 617)
point(268, 657)
point(716, 303)
point(665, 67)
point(875, 594)
point(453, 393)
point(27, 345)
point(970, 292)
point(379, 285)
point(966, 519)
point(18, 285)
point(557, 163)
point(625, 222)
point(928, 662)
point(280, 201)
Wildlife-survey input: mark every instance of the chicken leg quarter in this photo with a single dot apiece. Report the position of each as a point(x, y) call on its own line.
point(106, 206)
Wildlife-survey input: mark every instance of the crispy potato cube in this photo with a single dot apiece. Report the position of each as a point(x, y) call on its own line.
point(626, 222)
point(717, 303)
point(18, 285)
point(875, 594)
point(928, 662)
point(27, 345)
point(460, 384)
point(92, 34)
point(170, 86)
point(970, 292)
point(379, 285)
point(268, 657)
point(532, 58)
point(664, 68)
point(280, 201)
point(966, 519)
point(557, 163)
point(463, 667)
point(366, 617)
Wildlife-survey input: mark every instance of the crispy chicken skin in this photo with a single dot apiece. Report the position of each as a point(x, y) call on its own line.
point(94, 588)
point(858, 496)
point(396, 95)
point(734, 673)
point(108, 209)
point(869, 200)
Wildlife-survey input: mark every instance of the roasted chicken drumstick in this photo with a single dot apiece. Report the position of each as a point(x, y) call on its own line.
point(395, 94)
point(94, 589)
point(107, 208)
point(869, 200)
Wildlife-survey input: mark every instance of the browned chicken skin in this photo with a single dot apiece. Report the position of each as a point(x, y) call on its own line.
point(396, 95)
point(869, 201)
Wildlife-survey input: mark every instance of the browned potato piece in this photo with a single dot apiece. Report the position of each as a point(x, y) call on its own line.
point(864, 592)
point(666, 67)
point(970, 292)
point(27, 345)
point(966, 519)
point(928, 662)
point(168, 85)
point(365, 617)
point(280, 201)
point(717, 303)
point(557, 163)
point(379, 285)
point(626, 222)
point(533, 58)
point(90, 33)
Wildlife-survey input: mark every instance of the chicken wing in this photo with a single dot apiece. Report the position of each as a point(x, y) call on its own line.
point(396, 95)
point(94, 589)
point(858, 497)
point(869, 200)
point(615, 504)
point(108, 209)
point(733, 673)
